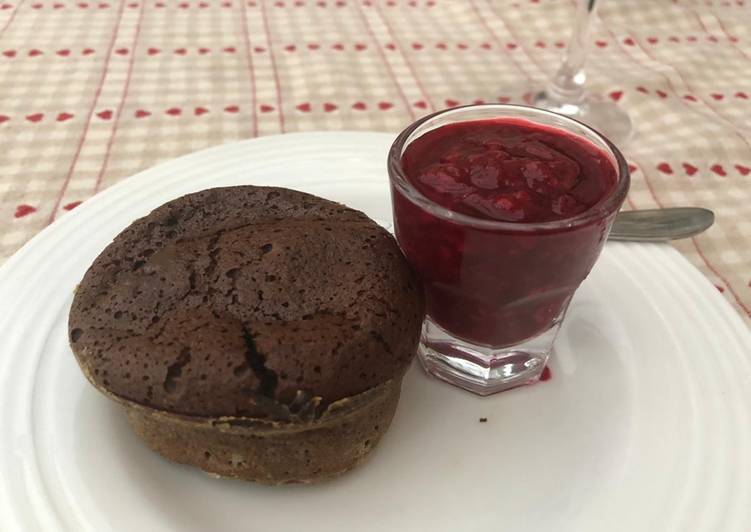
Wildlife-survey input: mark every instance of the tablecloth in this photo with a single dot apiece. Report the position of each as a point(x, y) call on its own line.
point(92, 91)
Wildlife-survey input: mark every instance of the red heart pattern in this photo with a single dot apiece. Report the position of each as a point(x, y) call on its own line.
point(665, 168)
point(718, 169)
point(23, 210)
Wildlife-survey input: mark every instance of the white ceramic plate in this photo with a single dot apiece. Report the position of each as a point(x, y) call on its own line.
point(644, 425)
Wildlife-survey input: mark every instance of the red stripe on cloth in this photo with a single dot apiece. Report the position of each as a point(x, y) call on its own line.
point(120, 105)
point(251, 70)
point(690, 89)
point(724, 30)
point(11, 17)
point(97, 94)
point(518, 41)
point(493, 36)
point(714, 270)
point(670, 83)
point(390, 70)
point(704, 258)
point(411, 69)
point(273, 66)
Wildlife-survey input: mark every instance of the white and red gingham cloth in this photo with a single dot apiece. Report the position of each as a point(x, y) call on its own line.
point(92, 91)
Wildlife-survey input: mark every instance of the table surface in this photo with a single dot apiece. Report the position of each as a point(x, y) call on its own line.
point(92, 91)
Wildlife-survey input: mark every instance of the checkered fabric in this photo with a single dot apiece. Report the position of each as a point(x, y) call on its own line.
point(92, 91)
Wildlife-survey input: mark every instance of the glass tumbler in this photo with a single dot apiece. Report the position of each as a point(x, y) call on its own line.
point(496, 292)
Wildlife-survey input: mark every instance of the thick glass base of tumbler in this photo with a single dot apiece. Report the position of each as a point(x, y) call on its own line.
point(604, 116)
point(481, 369)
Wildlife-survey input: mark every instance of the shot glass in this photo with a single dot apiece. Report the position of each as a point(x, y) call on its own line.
point(496, 291)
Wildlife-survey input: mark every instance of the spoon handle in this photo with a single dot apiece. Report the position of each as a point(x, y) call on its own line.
point(659, 225)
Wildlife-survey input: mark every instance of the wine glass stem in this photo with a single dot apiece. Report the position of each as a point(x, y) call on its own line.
point(568, 84)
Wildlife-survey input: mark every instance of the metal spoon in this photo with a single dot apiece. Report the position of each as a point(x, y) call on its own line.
point(659, 225)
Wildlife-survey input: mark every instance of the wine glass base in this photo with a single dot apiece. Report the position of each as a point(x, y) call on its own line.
point(604, 116)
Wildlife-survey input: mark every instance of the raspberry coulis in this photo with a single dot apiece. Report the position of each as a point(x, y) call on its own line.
point(509, 170)
point(498, 286)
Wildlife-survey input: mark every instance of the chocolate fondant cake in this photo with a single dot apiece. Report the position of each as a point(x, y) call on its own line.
point(257, 333)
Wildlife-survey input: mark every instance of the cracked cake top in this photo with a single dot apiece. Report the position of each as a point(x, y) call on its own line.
point(246, 301)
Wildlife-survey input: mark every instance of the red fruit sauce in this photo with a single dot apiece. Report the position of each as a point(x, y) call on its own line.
point(501, 285)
